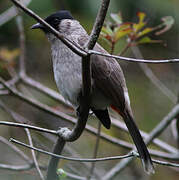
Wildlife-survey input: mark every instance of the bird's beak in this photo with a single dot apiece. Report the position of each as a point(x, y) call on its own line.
point(37, 26)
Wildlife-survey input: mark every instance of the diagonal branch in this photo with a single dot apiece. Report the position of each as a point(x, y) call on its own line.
point(98, 24)
point(33, 154)
point(20, 27)
point(11, 13)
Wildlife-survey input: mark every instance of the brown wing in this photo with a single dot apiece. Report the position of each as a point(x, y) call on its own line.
point(107, 75)
point(108, 78)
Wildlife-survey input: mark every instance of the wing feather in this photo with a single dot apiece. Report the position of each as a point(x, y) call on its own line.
point(107, 76)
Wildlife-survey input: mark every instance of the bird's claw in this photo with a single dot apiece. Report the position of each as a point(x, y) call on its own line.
point(64, 132)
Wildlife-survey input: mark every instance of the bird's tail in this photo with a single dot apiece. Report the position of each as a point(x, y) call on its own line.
point(137, 138)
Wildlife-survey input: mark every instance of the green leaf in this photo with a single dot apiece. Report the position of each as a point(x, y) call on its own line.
point(61, 173)
point(116, 17)
point(144, 32)
point(146, 39)
point(8, 55)
point(141, 16)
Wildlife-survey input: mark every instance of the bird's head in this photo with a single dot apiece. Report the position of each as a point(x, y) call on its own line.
point(54, 20)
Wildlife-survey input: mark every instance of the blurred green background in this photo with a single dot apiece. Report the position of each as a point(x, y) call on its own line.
point(149, 104)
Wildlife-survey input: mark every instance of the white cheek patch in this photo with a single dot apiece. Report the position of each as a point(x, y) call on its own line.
point(126, 95)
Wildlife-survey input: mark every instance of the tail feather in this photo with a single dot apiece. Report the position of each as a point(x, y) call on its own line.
point(141, 147)
point(103, 116)
point(137, 138)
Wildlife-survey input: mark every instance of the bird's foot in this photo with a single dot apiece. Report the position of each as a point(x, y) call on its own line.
point(64, 132)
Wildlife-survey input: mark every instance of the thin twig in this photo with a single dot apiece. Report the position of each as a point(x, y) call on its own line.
point(71, 158)
point(152, 61)
point(129, 155)
point(16, 150)
point(33, 154)
point(25, 167)
point(95, 151)
point(29, 127)
point(98, 24)
point(20, 26)
point(113, 140)
point(10, 13)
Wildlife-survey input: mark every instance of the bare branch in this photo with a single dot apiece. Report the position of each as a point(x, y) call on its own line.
point(152, 61)
point(71, 158)
point(16, 167)
point(103, 136)
point(20, 27)
point(54, 160)
point(129, 155)
point(95, 151)
point(44, 89)
point(16, 150)
point(33, 154)
point(98, 24)
point(11, 13)
point(29, 127)
point(165, 163)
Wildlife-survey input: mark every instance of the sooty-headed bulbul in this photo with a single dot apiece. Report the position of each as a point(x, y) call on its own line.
point(108, 82)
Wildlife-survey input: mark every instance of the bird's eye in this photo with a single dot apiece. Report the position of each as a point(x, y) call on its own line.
point(56, 21)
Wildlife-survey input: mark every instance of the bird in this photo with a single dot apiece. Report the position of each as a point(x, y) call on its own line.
point(108, 82)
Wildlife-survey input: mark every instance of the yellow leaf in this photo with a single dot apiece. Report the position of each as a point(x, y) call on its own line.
point(121, 33)
point(141, 23)
point(144, 32)
point(141, 16)
point(8, 55)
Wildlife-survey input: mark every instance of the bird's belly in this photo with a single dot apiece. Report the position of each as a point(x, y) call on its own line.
point(67, 74)
point(69, 86)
